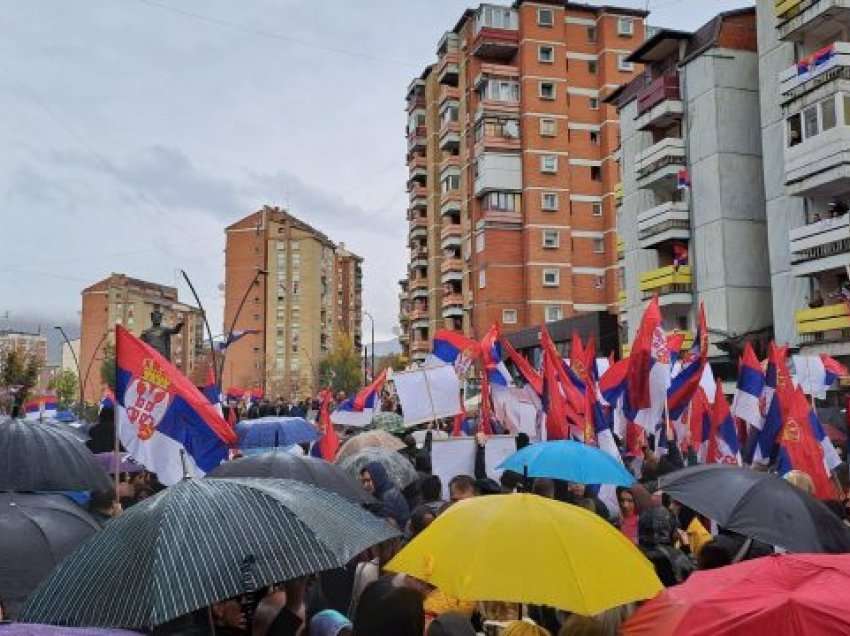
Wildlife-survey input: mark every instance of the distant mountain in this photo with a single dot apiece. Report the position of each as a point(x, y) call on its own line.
point(385, 347)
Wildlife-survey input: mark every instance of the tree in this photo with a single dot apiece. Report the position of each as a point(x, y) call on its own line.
point(18, 375)
point(341, 368)
point(107, 367)
point(394, 361)
point(66, 387)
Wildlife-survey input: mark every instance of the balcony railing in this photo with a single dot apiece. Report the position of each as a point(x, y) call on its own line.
point(451, 265)
point(821, 67)
point(824, 324)
point(451, 230)
point(416, 190)
point(665, 222)
point(619, 193)
point(667, 281)
point(418, 221)
point(450, 135)
point(820, 246)
point(420, 346)
point(447, 69)
point(664, 88)
point(416, 138)
point(621, 247)
point(450, 300)
point(661, 161)
point(419, 314)
point(496, 32)
point(794, 18)
point(418, 283)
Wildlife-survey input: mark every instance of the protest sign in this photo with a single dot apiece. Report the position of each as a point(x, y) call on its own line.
point(456, 456)
point(428, 394)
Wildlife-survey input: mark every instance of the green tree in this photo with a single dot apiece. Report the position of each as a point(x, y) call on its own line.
point(394, 361)
point(66, 386)
point(18, 375)
point(341, 368)
point(107, 367)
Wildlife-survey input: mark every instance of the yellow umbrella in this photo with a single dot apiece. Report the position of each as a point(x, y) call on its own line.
point(529, 549)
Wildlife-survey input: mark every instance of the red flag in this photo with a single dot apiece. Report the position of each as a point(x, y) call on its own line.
point(798, 448)
point(571, 399)
point(328, 444)
point(531, 376)
point(551, 396)
point(457, 431)
point(640, 357)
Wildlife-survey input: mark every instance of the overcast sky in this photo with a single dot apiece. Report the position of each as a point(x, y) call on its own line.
point(133, 131)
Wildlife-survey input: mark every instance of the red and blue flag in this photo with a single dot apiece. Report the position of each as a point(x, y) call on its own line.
point(749, 389)
point(684, 384)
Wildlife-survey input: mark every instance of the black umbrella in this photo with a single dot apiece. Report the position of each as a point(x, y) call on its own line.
point(37, 531)
point(39, 456)
point(759, 505)
point(281, 464)
point(197, 543)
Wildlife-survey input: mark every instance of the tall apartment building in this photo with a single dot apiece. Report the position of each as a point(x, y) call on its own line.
point(308, 291)
point(126, 301)
point(512, 168)
point(25, 343)
point(804, 64)
point(691, 220)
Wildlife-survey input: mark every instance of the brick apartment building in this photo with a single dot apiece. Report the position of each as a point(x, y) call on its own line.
point(308, 291)
point(513, 169)
point(120, 299)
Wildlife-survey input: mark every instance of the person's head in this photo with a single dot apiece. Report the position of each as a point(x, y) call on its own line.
point(422, 461)
point(420, 519)
point(627, 502)
point(461, 487)
point(576, 489)
point(713, 555)
point(229, 614)
point(801, 480)
point(366, 481)
point(524, 628)
point(578, 625)
point(655, 527)
point(522, 441)
point(385, 609)
point(451, 624)
point(330, 623)
point(376, 474)
point(510, 480)
point(544, 487)
point(431, 488)
point(156, 317)
point(104, 502)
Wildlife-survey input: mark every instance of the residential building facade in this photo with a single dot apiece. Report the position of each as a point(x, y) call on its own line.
point(292, 285)
point(122, 300)
point(804, 64)
point(25, 343)
point(512, 168)
point(69, 355)
point(691, 217)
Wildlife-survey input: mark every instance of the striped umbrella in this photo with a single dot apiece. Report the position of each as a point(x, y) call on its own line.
point(197, 543)
point(369, 439)
point(399, 468)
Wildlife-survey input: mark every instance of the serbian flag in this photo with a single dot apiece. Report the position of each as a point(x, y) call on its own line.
point(491, 355)
point(683, 179)
point(798, 448)
point(359, 409)
point(164, 421)
point(674, 346)
point(700, 424)
point(649, 370)
point(449, 346)
point(776, 377)
point(210, 389)
point(41, 407)
point(328, 443)
point(834, 369)
point(685, 383)
point(529, 374)
point(552, 398)
point(613, 382)
point(680, 255)
point(234, 336)
point(745, 404)
point(724, 447)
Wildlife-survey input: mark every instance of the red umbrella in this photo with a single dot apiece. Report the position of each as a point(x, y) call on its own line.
point(779, 595)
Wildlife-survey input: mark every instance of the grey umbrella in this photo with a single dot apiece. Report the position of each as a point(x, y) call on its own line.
point(399, 468)
point(40, 456)
point(197, 543)
point(280, 464)
point(759, 505)
point(37, 531)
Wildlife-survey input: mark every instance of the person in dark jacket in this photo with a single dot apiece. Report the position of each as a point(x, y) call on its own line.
point(655, 539)
point(376, 481)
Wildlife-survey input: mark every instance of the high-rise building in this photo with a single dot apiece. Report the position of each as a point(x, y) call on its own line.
point(308, 290)
point(804, 64)
point(126, 301)
point(24, 343)
point(512, 168)
point(691, 219)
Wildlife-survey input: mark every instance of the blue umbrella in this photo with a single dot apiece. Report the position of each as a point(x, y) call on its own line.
point(570, 461)
point(272, 432)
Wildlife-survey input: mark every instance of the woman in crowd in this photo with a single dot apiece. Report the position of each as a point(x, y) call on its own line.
point(628, 513)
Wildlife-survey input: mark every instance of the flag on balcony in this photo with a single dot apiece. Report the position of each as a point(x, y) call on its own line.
point(680, 255)
point(749, 389)
point(685, 383)
point(683, 179)
point(816, 60)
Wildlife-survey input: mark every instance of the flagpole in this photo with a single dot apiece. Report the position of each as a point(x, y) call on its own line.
point(209, 331)
point(116, 447)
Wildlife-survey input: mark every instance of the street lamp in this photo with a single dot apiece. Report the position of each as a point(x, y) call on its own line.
point(229, 334)
point(76, 364)
point(372, 321)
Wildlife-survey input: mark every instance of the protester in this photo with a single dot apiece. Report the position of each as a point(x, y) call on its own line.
point(461, 487)
point(713, 555)
point(103, 506)
point(544, 487)
point(386, 609)
point(525, 628)
point(450, 624)
point(628, 513)
point(692, 532)
point(376, 482)
point(431, 489)
point(420, 519)
point(228, 618)
point(801, 480)
point(655, 539)
point(330, 623)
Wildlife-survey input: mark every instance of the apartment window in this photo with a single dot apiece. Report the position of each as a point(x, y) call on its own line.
point(499, 90)
point(546, 54)
point(596, 208)
point(810, 121)
point(548, 127)
point(593, 102)
point(795, 130)
point(827, 113)
point(479, 242)
point(553, 313)
point(547, 90)
point(549, 201)
point(625, 27)
point(509, 316)
point(482, 279)
point(598, 246)
point(551, 239)
point(549, 164)
point(591, 67)
point(449, 114)
point(551, 277)
point(594, 137)
point(496, 17)
point(492, 127)
point(623, 64)
point(545, 17)
point(595, 173)
point(591, 34)
point(506, 201)
point(450, 182)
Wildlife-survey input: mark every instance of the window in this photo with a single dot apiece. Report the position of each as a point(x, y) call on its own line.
point(482, 279)
point(591, 34)
point(551, 239)
point(591, 67)
point(493, 127)
point(548, 127)
point(595, 173)
point(598, 246)
point(547, 90)
point(596, 209)
point(507, 201)
point(553, 313)
point(497, 17)
point(509, 316)
point(546, 54)
point(551, 277)
point(479, 242)
point(549, 201)
point(450, 182)
point(827, 112)
point(623, 64)
point(593, 102)
point(625, 27)
point(448, 114)
point(549, 164)
point(795, 129)
point(810, 121)
point(499, 90)
point(594, 137)
point(545, 18)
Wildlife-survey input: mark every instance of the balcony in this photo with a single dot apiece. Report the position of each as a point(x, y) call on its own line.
point(417, 191)
point(449, 93)
point(826, 66)
point(824, 324)
point(496, 33)
point(619, 194)
point(621, 248)
point(418, 228)
point(419, 203)
point(420, 348)
point(451, 269)
point(448, 69)
point(667, 222)
point(819, 166)
point(450, 203)
point(810, 19)
point(419, 259)
point(418, 284)
point(621, 297)
point(450, 137)
point(673, 285)
point(418, 167)
point(417, 138)
point(449, 161)
point(659, 103)
point(498, 171)
point(418, 314)
point(452, 306)
point(658, 166)
point(821, 246)
point(451, 235)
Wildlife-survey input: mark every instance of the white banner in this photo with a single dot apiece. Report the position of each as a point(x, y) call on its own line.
point(456, 456)
point(428, 394)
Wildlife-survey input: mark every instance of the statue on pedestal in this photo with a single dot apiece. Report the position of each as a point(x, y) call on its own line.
point(159, 337)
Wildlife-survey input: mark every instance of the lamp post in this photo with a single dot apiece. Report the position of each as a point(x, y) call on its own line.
point(372, 321)
point(76, 364)
point(91, 362)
